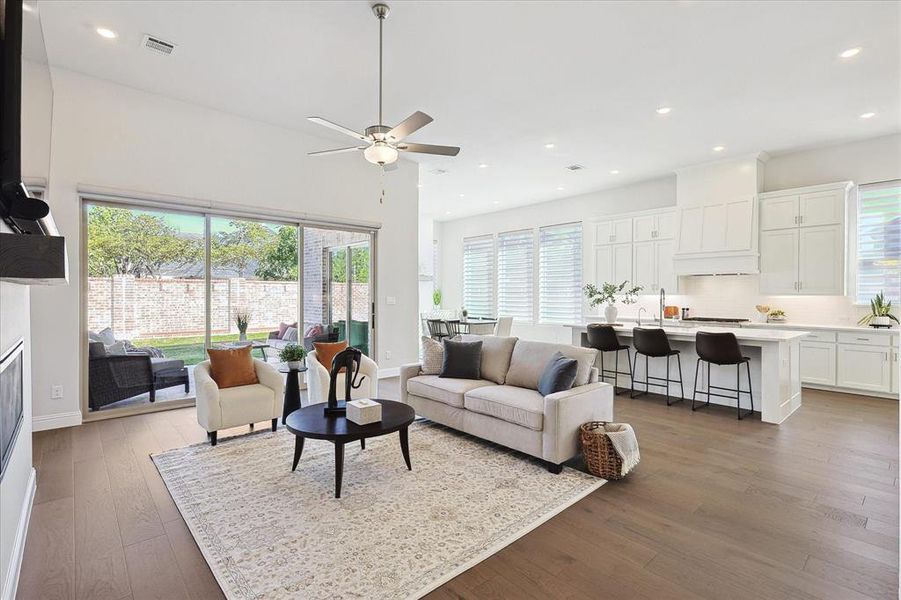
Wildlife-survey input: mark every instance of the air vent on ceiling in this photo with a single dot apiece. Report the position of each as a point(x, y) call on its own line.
point(155, 44)
point(574, 168)
point(438, 171)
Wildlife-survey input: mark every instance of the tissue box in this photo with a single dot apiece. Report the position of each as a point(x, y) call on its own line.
point(364, 411)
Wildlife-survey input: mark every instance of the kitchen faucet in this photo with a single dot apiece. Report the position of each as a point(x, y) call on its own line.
point(662, 302)
point(639, 314)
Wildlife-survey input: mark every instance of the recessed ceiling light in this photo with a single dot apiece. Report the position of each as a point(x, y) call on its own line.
point(549, 146)
point(107, 33)
point(419, 185)
point(614, 172)
point(483, 166)
point(496, 202)
point(719, 148)
point(560, 188)
point(868, 115)
point(447, 212)
point(664, 110)
point(850, 52)
point(462, 195)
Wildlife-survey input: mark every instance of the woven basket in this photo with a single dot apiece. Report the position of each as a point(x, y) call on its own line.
point(597, 449)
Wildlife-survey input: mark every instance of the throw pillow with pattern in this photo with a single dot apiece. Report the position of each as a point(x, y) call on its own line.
point(432, 356)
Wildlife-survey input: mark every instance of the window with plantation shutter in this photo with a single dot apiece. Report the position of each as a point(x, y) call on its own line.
point(478, 276)
point(879, 241)
point(560, 274)
point(515, 274)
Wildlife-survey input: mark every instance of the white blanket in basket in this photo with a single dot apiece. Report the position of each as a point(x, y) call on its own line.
point(622, 436)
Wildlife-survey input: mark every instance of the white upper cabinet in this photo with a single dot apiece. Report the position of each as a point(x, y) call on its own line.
point(616, 231)
point(666, 225)
point(779, 212)
point(613, 263)
point(802, 240)
point(717, 227)
point(658, 226)
point(643, 265)
point(666, 273)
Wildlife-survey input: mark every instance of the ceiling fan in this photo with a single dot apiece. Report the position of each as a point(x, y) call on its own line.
point(382, 143)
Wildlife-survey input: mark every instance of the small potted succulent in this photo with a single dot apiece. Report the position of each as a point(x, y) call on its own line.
point(293, 355)
point(608, 294)
point(242, 320)
point(880, 313)
point(776, 316)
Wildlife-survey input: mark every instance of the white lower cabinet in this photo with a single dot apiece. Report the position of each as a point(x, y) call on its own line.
point(865, 368)
point(818, 363)
point(896, 374)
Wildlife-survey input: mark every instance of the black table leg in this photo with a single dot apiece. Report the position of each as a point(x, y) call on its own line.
point(292, 395)
point(362, 443)
point(405, 447)
point(298, 450)
point(339, 467)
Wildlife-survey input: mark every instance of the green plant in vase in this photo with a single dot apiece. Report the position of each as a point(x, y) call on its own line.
point(293, 355)
point(880, 313)
point(609, 294)
point(436, 298)
point(242, 320)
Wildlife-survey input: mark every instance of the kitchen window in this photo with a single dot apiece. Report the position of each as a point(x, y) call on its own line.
point(560, 274)
point(478, 276)
point(878, 247)
point(515, 278)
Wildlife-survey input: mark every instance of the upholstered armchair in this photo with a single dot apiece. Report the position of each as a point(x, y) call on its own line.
point(318, 380)
point(242, 405)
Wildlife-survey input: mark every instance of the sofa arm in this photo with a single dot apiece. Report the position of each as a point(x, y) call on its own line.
point(407, 372)
point(209, 412)
point(370, 369)
point(565, 411)
point(317, 380)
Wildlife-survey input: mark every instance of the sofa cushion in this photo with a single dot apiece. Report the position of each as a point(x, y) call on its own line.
point(516, 405)
point(529, 359)
point(462, 360)
point(432, 356)
point(496, 353)
point(558, 375)
point(158, 365)
point(246, 404)
point(446, 391)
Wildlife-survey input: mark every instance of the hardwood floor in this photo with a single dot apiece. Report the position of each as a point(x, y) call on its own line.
point(718, 508)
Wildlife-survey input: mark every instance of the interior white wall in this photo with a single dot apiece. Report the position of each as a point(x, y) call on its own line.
point(14, 489)
point(656, 193)
point(110, 135)
point(866, 161)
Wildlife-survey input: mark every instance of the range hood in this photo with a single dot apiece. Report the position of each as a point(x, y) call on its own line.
point(716, 207)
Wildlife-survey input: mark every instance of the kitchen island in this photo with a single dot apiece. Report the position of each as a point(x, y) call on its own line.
point(775, 366)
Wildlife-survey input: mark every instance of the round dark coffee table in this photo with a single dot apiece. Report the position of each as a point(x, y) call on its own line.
point(311, 422)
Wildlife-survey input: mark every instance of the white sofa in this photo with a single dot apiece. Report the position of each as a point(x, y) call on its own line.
point(243, 405)
point(505, 406)
point(318, 380)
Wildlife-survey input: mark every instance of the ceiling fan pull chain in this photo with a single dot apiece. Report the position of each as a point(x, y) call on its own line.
point(382, 177)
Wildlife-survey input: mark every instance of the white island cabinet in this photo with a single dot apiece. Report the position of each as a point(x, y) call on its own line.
point(775, 367)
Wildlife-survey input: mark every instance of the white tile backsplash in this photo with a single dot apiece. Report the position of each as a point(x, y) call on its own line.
point(737, 295)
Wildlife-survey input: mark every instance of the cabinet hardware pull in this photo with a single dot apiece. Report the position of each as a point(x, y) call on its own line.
point(800, 219)
point(864, 339)
point(796, 220)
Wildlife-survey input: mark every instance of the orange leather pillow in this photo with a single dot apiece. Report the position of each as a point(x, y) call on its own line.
point(232, 367)
point(326, 352)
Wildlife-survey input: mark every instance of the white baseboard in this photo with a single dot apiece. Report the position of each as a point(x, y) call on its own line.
point(18, 553)
point(385, 373)
point(43, 422)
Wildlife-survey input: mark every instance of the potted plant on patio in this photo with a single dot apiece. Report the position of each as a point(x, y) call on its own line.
point(293, 355)
point(880, 313)
point(608, 294)
point(242, 319)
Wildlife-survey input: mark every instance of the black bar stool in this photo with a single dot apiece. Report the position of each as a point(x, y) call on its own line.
point(603, 339)
point(654, 343)
point(722, 349)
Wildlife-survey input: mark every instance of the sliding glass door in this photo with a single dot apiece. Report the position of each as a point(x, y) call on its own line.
point(163, 286)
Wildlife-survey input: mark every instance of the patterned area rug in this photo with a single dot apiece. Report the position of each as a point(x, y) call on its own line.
point(269, 533)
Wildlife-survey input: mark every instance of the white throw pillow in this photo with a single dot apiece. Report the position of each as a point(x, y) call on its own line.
point(432, 356)
point(116, 349)
point(107, 337)
point(290, 334)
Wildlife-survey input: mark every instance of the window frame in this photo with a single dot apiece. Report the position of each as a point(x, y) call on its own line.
point(492, 277)
point(853, 237)
point(579, 254)
point(533, 242)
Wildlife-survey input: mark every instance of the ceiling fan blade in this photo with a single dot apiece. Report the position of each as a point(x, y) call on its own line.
point(336, 151)
point(336, 127)
point(415, 121)
point(429, 149)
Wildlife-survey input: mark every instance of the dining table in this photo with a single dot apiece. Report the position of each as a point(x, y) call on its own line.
point(474, 326)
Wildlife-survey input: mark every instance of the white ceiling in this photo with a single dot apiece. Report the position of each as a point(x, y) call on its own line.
point(502, 79)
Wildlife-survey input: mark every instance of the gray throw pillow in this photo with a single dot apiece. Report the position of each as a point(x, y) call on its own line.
point(107, 337)
point(462, 360)
point(432, 356)
point(290, 334)
point(558, 376)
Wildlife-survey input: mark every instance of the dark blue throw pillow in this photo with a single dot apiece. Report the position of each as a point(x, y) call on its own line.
point(558, 376)
point(462, 360)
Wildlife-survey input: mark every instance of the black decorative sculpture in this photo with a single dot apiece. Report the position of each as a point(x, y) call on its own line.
point(348, 359)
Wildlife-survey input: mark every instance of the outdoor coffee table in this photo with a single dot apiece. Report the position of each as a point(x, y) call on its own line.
point(311, 422)
point(254, 345)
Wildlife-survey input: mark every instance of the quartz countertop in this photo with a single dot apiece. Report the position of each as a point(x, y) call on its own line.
point(810, 327)
point(746, 334)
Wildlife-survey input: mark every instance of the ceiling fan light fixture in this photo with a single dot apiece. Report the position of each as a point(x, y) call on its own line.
point(380, 153)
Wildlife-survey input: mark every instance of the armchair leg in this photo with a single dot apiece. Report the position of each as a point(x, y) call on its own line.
point(554, 468)
point(212, 436)
point(152, 395)
point(274, 424)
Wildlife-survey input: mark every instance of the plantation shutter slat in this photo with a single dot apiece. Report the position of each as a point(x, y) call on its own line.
point(515, 274)
point(879, 241)
point(478, 276)
point(560, 274)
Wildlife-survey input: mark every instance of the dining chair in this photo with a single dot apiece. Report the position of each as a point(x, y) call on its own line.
point(453, 327)
point(436, 329)
point(503, 327)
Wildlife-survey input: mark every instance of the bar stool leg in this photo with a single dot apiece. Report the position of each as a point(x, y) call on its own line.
point(750, 394)
point(633, 368)
point(681, 388)
point(738, 390)
point(615, 370)
point(629, 360)
point(708, 384)
point(668, 403)
point(694, 388)
point(647, 375)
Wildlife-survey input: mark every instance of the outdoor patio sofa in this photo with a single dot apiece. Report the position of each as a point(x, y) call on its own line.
point(115, 377)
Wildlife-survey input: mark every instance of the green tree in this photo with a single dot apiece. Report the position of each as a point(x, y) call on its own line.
point(279, 261)
point(235, 248)
point(123, 241)
point(359, 265)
